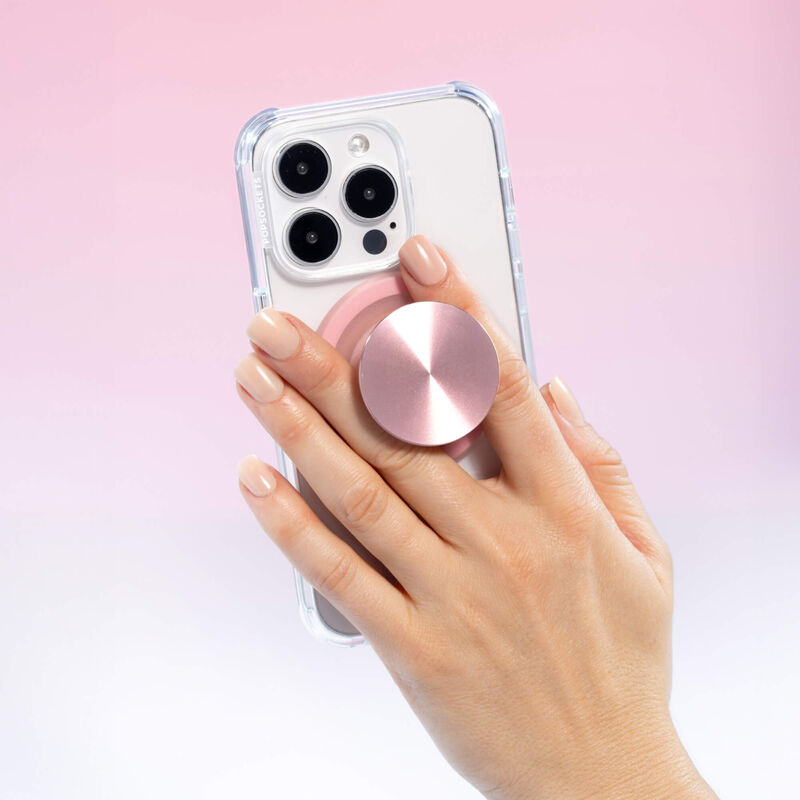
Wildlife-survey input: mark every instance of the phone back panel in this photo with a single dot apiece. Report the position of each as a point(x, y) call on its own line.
point(454, 158)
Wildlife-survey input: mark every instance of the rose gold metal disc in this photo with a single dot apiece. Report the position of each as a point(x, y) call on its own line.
point(428, 373)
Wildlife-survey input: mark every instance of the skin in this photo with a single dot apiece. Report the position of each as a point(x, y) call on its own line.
point(530, 625)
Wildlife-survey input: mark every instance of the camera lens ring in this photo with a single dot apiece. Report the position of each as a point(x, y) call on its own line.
point(294, 236)
point(381, 174)
point(313, 152)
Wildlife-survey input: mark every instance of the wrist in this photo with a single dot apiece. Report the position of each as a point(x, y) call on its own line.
point(641, 761)
point(660, 770)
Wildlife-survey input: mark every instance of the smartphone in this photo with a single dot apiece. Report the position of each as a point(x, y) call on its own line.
point(330, 192)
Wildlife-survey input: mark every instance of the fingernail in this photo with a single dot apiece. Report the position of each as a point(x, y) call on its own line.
point(273, 333)
point(258, 379)
point(565, 401)
point(423, 261)
point(256, 476)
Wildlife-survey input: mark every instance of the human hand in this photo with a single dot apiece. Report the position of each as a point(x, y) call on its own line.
point(529, 628)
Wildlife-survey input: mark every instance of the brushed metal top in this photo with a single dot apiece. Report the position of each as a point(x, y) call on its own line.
point(428, 373)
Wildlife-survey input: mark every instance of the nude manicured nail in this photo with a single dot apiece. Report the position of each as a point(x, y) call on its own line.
point(423, 261)
point(256, 476)
point(264, 384)
point(565, 401)
point(273, 333)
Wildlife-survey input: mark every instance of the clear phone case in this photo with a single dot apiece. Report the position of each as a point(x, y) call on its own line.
point(445, 148)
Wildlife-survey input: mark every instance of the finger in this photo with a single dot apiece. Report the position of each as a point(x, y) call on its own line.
point(519, 426)
point(349, 487)
point(358, 591)
point(608, 474)
point(428, 479)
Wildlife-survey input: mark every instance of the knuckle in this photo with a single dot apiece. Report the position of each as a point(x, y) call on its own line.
point(291, 425)
point(578, 511)
point(608, 460)
point(519, 562)
point(512, 551)
point(515, 384)
point(277, 530)
point(364, 503)
point(327, 376)
point(338, 576)
point(663, 556)
point(395, 457)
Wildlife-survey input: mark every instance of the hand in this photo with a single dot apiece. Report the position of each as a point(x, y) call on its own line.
point(529, 627)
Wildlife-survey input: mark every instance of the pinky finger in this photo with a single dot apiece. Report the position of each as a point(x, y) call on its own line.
point(609, 476)
point(332, 567)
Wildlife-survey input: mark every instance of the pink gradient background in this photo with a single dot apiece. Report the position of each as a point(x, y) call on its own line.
point(151, 645)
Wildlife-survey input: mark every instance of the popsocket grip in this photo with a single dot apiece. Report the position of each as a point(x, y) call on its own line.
point(428, 371)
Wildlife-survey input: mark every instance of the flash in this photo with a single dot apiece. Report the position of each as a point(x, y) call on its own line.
point(358, 144)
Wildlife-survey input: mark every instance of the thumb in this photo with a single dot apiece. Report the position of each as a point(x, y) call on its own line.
point(608, 474)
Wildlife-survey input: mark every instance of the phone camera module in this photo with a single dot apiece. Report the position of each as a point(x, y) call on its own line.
point(303, 168)
point(313, 237)
point(370, 193)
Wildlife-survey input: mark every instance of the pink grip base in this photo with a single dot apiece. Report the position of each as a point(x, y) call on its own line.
point(351, 319)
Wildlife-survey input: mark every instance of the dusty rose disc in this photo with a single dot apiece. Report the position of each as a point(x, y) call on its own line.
point(428, 373)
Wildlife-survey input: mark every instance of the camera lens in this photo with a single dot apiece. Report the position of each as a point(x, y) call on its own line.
point(303, 168)
point(313, 237)
point(370, 192)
